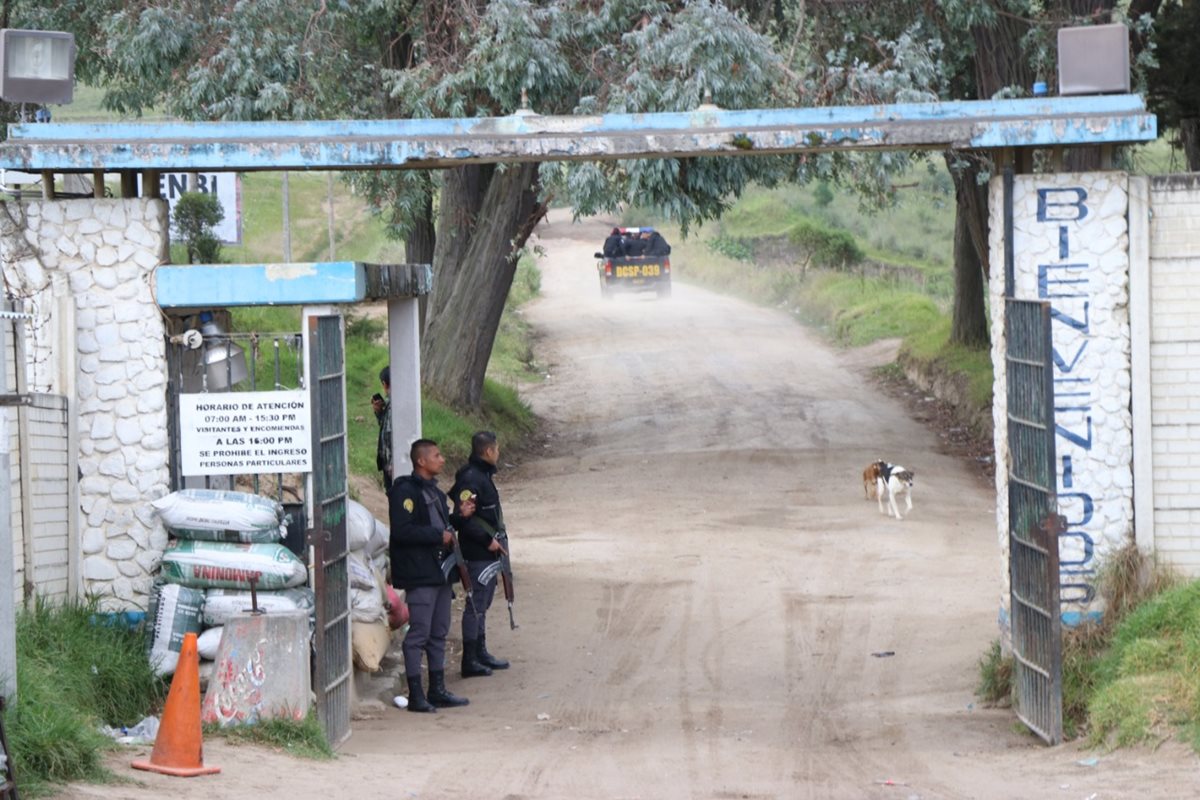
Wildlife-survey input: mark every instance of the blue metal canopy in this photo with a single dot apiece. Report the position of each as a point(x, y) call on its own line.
point(228, 285)
point(524, 136)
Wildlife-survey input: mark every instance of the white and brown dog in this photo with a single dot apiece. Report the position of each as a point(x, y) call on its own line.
point(894, 480)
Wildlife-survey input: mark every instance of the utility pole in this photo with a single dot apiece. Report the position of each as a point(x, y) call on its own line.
point(329, 193)
point(287, 221)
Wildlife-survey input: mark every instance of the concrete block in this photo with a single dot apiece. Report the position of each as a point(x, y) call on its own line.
point(262, 670)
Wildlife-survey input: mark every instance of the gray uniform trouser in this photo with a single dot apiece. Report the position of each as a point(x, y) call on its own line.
point(428, 624)
point(474, 621)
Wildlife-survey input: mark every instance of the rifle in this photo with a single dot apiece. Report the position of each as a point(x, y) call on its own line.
point(503, 566)
point(455, 559)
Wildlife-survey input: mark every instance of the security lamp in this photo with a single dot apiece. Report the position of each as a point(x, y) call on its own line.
point(224, 363)
point(37, 66)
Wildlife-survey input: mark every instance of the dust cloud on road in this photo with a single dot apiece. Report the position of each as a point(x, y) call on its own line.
point(709, 607)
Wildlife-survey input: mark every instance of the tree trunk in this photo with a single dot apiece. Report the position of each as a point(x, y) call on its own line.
point(1189, 137)
point(462, 197)
point(421, 241)
point(968, 325)
point(479, 235)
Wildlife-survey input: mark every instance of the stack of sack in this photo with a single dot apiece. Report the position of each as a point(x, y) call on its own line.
point(221, 542)
point(375, 608)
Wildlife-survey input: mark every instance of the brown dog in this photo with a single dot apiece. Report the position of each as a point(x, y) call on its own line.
point(871, 477)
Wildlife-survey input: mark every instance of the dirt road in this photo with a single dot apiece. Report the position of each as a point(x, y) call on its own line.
point(709, 608)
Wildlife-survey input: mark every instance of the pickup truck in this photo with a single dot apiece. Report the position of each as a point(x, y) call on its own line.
point(634, 259)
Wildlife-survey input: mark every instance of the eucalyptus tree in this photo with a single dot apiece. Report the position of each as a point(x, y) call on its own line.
point(1172, 95)
point(300, 59)
point(984, 49)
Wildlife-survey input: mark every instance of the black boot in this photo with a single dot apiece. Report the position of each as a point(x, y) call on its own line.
point(486, 658)
point(439, 695)
point(472, 667)
point(416, 696)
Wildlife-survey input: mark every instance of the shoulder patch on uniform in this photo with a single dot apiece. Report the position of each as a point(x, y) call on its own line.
point(465, 495)
point(408, 504)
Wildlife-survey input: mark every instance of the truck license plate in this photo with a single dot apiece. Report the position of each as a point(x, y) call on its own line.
point(638, 270)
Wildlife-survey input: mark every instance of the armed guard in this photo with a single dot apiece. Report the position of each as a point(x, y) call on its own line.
point(484, 541)
point(422, 553)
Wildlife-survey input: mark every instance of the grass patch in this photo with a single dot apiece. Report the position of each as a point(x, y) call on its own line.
point(303, 739)
point(1147, 683)
point(512, 358)
point(75, 672)
point(858, 311)
point(995, 686)
point(975, 365)
point(1134, 676)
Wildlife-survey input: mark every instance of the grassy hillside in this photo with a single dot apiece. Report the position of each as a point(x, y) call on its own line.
point(358, 234)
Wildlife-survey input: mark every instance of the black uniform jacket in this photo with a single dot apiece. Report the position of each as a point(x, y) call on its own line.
point(416, 543)
point(614, 246)
point(475, 477)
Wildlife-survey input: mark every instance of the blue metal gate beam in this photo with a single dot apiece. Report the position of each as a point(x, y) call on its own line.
point(438, 143)
point(227, 285)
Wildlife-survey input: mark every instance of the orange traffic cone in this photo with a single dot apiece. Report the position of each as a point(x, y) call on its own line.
point(178, 749)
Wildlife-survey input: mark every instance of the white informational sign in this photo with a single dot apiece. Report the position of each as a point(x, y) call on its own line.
point(240, 433)
point(228, 188)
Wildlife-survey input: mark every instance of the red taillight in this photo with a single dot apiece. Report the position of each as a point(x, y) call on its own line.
point(608, 268)
point(667, 266)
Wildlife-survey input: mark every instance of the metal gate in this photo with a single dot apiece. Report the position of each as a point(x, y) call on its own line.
point(333, 672)
point(1033, 522)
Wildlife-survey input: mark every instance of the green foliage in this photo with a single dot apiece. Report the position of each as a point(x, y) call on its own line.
point(194, 217)
point(736, 248)
point(823, 195)
point(75, 671)
point(826, 248)
point(1176, 100)
point(365, 326)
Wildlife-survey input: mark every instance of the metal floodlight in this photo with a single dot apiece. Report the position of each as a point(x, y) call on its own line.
point(1093, 59)
point(223, 362)
point(37, 66)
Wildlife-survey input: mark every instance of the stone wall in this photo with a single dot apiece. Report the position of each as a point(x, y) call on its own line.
point(1071, 244)
point(101, 254)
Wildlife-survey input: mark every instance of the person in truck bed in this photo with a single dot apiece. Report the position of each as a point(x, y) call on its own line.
point(637, 244)
point(614, 245)
point(657, 245)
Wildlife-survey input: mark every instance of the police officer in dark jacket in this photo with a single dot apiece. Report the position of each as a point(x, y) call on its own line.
point(657, 245)
point(614, 245)
point(421, 540)
point(481, 547)
point(637, 244)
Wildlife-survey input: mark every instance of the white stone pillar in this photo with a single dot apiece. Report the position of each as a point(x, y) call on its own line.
point(100, 256)
point(404, 346)
point(1071, 246)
